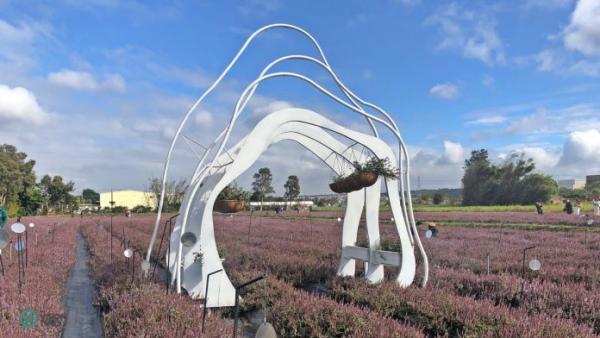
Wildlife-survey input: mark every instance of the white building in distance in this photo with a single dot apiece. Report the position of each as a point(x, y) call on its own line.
point(574, 183)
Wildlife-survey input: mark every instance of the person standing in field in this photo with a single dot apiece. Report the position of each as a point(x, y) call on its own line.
point(577, 207)
point(568, 207)
point(596, 205)
point(539, 207)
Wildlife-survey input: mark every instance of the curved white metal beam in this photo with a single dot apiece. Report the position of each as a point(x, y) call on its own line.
point(403, 150)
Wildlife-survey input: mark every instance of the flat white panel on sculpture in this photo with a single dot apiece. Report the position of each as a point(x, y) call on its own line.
point(194, 253)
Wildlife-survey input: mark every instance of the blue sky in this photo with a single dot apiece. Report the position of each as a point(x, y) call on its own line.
point(94, 90)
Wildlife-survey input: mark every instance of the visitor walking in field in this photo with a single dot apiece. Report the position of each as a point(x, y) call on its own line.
point(539, 207)
point(568, 207)
point(577, 207)
point(596, 205)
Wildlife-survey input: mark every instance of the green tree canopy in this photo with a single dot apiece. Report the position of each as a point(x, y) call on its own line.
point(174, 191)
point(261, 186)
point(511, 182)
point(90, 196)
point(16, 173)
point(292, 188)
point(58, 193)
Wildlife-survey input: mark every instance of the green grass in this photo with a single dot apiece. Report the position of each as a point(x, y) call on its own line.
point(585, 207)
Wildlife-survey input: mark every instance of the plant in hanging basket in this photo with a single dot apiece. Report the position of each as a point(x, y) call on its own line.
point(231, 199)
point(366, 174)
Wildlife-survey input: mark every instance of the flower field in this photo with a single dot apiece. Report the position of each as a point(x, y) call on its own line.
point(482, 218)
point(48, 265)
point(298, 254)
point(303, 297)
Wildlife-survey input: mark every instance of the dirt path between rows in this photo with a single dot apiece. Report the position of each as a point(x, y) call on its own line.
point(83, 319)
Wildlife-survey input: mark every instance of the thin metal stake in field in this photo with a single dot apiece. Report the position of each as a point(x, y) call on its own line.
point(206, 297)
point(237, 302)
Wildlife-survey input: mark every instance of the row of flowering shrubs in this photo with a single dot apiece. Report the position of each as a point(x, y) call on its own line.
point(48, 265)
point(507, 217)
point(293, 312)
point(140, 308)
point(297, 313)
point(298, 255)
point(444, 314)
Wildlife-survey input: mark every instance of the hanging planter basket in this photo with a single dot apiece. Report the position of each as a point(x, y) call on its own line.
point(364, 175)
point(365, 178)
point(352, 183)
point(229, 206)
point(336, 187)
point(346, 185)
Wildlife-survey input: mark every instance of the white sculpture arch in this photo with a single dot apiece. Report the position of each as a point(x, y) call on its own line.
point(310, 130)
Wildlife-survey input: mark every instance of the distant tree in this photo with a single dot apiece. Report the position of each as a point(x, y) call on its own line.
point(261, 186)
point(573, 193)
point(174, 191)
point(424, 198)
point(233, 192)
point(141, 209)
point(593, 189)
point(477, 178)
point(438, 198)
point(90, 196)
point(511, 182)
point(58, 193)
point(32, 201)
point(509, 176)
point(292, 188)
point(16, 174)
point(536, 187)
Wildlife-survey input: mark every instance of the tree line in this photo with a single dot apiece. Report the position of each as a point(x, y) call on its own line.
point(22, 194)
point(510, 182)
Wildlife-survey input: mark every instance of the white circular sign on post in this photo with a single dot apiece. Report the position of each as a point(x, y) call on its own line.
point(128, 253)
point(535, 265)
point(18, 228)
point(31, 225)
point(428, 233)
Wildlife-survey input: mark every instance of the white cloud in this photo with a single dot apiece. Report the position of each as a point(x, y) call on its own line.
point(453, 153)
point(20, 105)
point(162, 126)
point(488, 120)
point(547, 61)
point(544, 160)
point(583, 32)
point(86, 81)
point(557, 121)
point(582, 147)
point(445, 91)
point(10, 33)
point(473, 33)
point(547, 4)
point(586, 67)
point(16, 41)
point(204, 118)
point(260, 108)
